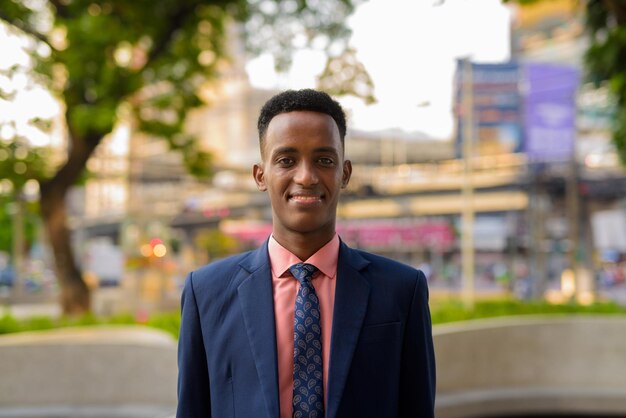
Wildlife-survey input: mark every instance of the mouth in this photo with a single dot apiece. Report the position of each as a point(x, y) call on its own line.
point(305, 199)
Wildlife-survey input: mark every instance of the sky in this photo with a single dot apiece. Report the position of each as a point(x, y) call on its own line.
point(29, 102)
point(409, 48)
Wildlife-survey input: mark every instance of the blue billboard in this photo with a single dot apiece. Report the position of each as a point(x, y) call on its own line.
point(519, 108)
point(497, 106)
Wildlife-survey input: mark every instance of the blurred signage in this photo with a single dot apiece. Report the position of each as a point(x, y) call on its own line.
point(496, 108)
point(517, 108)
point(490, 233)
point(397, 234)
point(550, 111)
point(103, 259)
point(596, 109)
point(608, 228)
point(388, 234)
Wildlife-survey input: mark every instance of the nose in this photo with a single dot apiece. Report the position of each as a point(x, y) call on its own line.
point(306, 174)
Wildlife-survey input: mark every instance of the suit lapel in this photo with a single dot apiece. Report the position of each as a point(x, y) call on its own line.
point(351, 296)
point(257, 306)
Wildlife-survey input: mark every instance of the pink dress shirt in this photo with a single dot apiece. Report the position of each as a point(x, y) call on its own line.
point(285, 290)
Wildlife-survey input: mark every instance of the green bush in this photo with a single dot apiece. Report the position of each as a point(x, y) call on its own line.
point(9, 324)
point(453, 310)
point(442, 311)
point(169, 322)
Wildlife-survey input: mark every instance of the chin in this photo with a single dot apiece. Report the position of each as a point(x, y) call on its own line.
point(304, 227)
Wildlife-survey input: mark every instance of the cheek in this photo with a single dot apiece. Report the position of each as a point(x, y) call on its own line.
point(277, 184)
point(338, 180)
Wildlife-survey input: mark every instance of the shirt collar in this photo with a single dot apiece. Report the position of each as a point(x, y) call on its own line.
point(325, 259)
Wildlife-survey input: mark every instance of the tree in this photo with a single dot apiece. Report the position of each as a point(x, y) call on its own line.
point(16, 157)
point(143, 59)
point(605, 21)
point(605, 58)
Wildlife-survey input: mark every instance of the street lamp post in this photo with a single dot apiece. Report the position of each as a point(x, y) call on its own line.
point(17, 244)
point(467, 234)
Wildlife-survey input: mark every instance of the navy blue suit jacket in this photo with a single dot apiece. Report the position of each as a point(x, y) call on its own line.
point(381, 358)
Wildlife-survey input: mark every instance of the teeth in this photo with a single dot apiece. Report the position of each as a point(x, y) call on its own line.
point(305, 198)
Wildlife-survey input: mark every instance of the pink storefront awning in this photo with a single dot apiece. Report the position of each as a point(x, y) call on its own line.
point(383, 234)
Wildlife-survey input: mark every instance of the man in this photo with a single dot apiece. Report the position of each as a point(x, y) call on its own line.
point(305, 326)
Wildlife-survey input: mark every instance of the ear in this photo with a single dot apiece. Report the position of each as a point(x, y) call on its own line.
point(259, 178)
point(347, 173)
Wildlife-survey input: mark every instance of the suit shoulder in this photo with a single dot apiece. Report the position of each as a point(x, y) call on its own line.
point(381, 265)
point(218, 269)
point(226, 262)
point(386, 261)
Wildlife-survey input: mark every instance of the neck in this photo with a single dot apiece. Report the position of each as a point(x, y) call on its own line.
point(303, 245)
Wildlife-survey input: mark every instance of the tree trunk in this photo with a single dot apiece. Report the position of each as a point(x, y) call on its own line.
point(617, 9)
point(74, 298)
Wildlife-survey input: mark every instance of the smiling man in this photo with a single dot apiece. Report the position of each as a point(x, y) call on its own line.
point(305, 326)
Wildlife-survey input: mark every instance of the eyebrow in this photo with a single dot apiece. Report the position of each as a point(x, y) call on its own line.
point(327, 149)
point(286, 150)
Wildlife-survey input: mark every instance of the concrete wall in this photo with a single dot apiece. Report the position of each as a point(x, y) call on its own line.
point(88, 372)
point(497, 367)
point(528, 365)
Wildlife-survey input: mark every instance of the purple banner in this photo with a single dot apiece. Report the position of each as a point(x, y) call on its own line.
point(496, 108)
point(550, 111)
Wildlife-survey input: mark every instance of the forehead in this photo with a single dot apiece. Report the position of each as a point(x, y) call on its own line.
point(301, 129)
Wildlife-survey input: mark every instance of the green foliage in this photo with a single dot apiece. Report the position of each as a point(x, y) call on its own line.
point(145, 61)
point(146, 54)
point(442, 311)
point(169, 322)
point(155, 56)
point(322, 27)
point(606, 57)
point(7, 210)
point(216, 243)
point(453, 310)
point(20, 162)
point(9, 324)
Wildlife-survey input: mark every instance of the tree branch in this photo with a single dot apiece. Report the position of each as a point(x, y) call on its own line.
point(174, 23)
point(80, 152)
point(618, 10)
point(24, 28)
point(60, 7)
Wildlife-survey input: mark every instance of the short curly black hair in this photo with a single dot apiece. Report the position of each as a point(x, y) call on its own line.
point(306, 99)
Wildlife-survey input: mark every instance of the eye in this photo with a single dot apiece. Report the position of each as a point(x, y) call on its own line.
point(326, 161)
point(284, 161)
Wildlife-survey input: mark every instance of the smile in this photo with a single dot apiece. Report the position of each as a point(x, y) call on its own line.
point(305, 199)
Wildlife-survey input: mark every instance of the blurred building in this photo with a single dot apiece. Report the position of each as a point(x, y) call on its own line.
point(138, 194)
point(404, 198)
point(549, 31)
point(581, 205)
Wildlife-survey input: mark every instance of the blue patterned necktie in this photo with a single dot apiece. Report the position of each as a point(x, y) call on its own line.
point(308, 389)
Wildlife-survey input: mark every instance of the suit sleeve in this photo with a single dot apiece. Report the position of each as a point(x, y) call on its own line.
point(417, 381)
point(193, 376)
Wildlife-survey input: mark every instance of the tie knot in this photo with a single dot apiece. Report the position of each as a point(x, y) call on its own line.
point(303, 271)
